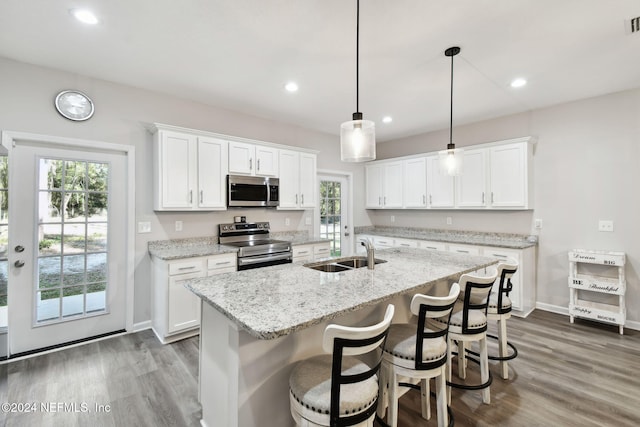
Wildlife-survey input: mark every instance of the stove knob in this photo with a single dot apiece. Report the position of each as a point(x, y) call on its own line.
point(259, 225)
point(225, 227)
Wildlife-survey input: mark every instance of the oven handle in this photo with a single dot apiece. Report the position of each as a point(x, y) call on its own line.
point(266, 258)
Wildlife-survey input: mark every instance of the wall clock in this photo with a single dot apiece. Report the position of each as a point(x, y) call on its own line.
point(74, 105)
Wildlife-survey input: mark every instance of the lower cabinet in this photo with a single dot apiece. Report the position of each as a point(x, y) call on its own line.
point(523, 295)
point(311, 252)
point(176, 310)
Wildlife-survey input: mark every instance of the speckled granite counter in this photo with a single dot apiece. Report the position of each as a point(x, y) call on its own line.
point(501, 240)
point(276, 301)
point(205, 246)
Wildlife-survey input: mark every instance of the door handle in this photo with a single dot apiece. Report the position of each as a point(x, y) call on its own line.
point(19, 248)
point(19, 263)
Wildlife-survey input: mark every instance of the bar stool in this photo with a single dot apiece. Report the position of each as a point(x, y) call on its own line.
point(418, 352)
point(500, 310)
point(468, 323)
point(339, 389)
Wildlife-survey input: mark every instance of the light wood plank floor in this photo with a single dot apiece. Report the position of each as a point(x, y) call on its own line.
point(583, 374)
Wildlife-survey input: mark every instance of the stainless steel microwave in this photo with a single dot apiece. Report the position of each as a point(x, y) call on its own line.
point(252, 191)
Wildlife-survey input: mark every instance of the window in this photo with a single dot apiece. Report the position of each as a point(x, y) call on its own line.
point(331, 213)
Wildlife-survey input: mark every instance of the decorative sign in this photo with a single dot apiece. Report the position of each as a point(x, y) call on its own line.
point(617, 317)
point(598, 284)
point(597, 257)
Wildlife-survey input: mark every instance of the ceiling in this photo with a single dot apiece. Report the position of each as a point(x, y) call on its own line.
point(239, 54)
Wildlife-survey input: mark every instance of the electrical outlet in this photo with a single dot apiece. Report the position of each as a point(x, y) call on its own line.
point(538, 224)
point(178, 225)
point(605, 225)
point(449, 220)
point(393, 218)
point(287, 222)
point(144, 227)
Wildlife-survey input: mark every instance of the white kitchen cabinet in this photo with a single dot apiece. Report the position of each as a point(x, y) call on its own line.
point(176, 310)
point(297, 180)
point(471, 185)
point(510, 176)
point(432, 246)
point(310, 252)
point(415, 183)
point(252, 159)
point(189, 172)
point(440, 187)
point(380, 242)
point(465, 249)
point(516, 280)
point(384, 183)
point(405, 243)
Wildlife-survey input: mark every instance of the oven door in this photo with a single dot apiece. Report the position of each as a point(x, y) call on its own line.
point(246, 263)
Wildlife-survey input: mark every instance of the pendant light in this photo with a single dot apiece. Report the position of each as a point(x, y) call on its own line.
point(358, 136)
point(451, 158)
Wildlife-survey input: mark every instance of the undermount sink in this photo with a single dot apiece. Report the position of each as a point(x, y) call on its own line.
point(333, 266)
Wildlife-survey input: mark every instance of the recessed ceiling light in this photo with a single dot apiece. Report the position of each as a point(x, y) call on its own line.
point(519, 82)
point(291, 87)
point(84, 16)
point(387, 119)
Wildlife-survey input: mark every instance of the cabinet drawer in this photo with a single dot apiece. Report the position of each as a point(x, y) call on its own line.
point(185, 266)
point(463, 249)
point(302, 251)
point(405, 243)
point(383, 242)
point(322, 250)
point(221, 261)
point(432, 246)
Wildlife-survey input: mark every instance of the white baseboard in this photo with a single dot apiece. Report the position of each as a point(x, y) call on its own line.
point(630, 324)
point(141, 326)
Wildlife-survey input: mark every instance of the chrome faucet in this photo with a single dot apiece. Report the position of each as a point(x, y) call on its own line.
point(371, 259)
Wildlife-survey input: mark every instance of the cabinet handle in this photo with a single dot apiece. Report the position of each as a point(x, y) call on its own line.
point(424, 199)
point(303, 252)
point(201, 196)
point(483, 197)
point(379, 201)
point(258, 164)
point(302, 199)
point(190, 196)
point(405, 244)
point(250, 164)
point(462, 251)
point(186, 268)
point(430, 200)
point(296, 199)
point(384, 200)
point(499, 256)
point(223, 262)
point(492, 197)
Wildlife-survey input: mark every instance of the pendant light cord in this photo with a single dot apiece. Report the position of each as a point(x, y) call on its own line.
point(357, 55)
point(451, 106)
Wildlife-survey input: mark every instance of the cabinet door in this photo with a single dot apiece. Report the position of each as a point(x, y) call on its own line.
point(440, 186)
point(289, 179)
point(508, 176)
point(241, 158)
point(266, 161)
point(516, 294)
point(415, 183)
point(392, 195)
point(471, 188)
point(184, 306)
point(308, 188)
point(374, 174)
point(212, 170)
point(302, 253)
point(177, 165)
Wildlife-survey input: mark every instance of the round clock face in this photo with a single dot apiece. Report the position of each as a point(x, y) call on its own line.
point(74, 105)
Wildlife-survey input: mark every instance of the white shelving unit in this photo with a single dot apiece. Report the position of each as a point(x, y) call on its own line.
point(581, 283)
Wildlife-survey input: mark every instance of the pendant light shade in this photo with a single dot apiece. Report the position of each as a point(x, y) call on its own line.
point(357, 136)
point(451, 158)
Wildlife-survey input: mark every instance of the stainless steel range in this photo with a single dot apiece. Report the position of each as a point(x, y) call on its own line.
point(256, 248)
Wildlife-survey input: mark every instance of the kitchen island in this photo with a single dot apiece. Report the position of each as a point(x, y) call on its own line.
point(257, 323)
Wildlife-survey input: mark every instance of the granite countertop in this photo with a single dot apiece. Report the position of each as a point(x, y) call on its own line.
point(205, 246)
point(275, 301)
point(501, 240)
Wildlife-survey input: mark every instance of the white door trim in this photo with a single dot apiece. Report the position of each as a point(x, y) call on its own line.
point(9, 139)
point(316, 212)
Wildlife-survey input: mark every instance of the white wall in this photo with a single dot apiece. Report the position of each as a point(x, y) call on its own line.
point(587, 168)
point(26, 105)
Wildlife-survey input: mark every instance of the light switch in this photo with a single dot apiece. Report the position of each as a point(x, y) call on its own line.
point(449, 221)
point(178, 225)
point(287, 222)
point(144, 227)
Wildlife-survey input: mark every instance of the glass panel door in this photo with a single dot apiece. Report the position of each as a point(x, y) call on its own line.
point(72, 239)
point(331, 214)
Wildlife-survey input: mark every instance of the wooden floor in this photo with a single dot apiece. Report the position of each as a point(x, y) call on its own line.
point(584, 374)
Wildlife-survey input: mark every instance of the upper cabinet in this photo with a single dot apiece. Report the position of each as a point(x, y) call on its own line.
point(496, 175)
point(189, 172)
point(384, 185)
point(251, 159)
point(297, 180)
